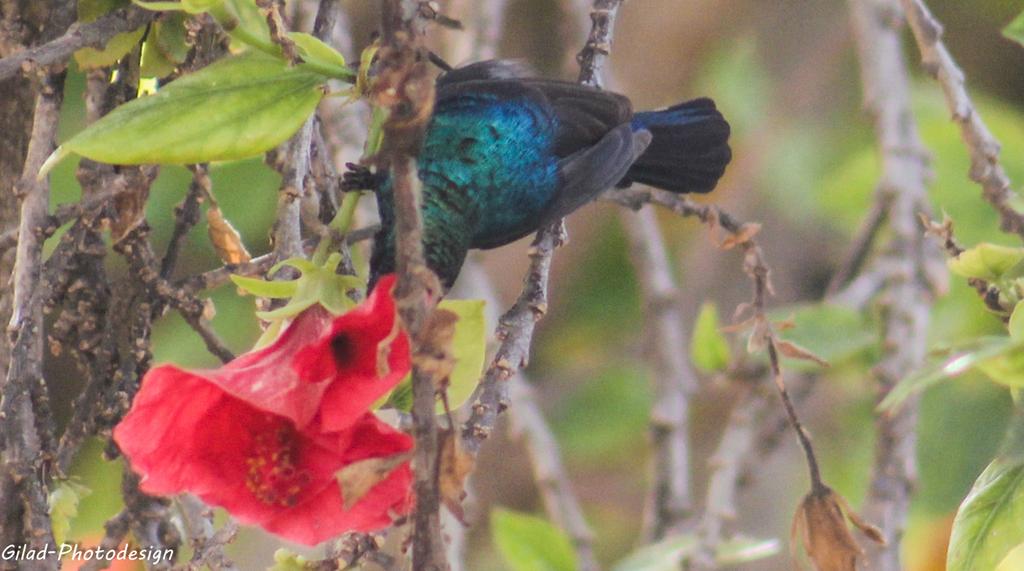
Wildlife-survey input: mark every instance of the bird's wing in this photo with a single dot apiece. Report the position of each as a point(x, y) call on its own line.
point(488, 69)
point(595, 169)
point(585, 114)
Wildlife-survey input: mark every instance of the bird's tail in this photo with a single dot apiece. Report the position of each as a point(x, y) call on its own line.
point(688, 151)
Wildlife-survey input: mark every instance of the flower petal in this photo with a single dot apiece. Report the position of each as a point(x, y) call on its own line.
point(265, 378)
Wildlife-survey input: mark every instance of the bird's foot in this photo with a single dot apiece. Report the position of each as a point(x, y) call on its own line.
point(359, 177)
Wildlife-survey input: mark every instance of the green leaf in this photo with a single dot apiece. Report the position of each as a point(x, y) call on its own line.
point(832, 332)
point(1006, 368)
point(669, 553)
point(1012, 447)
point(153, 63)
point(117, 47)
point(165, 47)
point(469, 348)
point(959, 362)
point(188, 6)
point(288, 560)
point(266, 288)
point(1015, 29)
point(742, 549)
point(63, 503)
point(529, 543)
point(990, 521)
point(400, 397)
point(235, 108)
point(317, 284)
point(665, 555)
point(172, 37)
point(241, 19)
point(986, 261)
point(320, 55)
point(1016, 324)
point(709, 349)
point(1014, 561)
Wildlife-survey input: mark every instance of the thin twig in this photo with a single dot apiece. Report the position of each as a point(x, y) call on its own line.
point(528, 423)
point(516, 326)
point(599, 43)
point(94, 34)
point(139, 253)
point(734, 448)
point(292, 160)
point(278, 30)
point(862, 242)
point(116, 529)
point(65, 213)
point(186, 215)
point(754, 265)
point(207, 542)
point(981, 143)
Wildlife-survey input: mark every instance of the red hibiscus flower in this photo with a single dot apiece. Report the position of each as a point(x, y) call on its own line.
point(265, 440)
point(367, 349)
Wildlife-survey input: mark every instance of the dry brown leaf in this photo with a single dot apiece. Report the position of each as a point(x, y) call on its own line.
point(434, 356)
point(384, 349)
point(785, 324)
point(225, 239)
point(822, 529)
point(358, 478)
point(746, 233)
point(738, 327)
point(820, 524)
point(794, 351)
point(456, 466)
point(741, 310)
point(758, 339)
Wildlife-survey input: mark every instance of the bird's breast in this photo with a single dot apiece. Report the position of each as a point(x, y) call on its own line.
point(490, 168)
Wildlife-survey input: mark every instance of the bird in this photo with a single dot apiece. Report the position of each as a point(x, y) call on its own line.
point(506, 153)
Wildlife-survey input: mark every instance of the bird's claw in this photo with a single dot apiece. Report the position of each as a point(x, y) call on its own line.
point(359, 177)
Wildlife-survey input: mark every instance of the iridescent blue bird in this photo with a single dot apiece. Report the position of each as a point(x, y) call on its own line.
point(506, 153)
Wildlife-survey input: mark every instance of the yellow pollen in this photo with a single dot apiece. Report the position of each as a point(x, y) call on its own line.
point(272, 475)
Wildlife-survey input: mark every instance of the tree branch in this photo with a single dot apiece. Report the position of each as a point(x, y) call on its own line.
point(981, 143)
point(670, 503)
point(529, 425)
point(24, 385)
point(405, 89)
point(94, 34)
point(516, 326)
point(906, 299)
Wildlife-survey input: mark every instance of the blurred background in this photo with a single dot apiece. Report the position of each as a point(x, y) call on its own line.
point(784, 73)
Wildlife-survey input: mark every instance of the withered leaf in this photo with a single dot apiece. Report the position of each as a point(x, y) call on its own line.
point(739, 326)
point(384, 349)
point(225, 239)
point(435, 357)
point(746, 233)
point(456, 466)
point(786, 324)
point(794, 351)
point(820, 524)
point(758, 339)
point(741, 310)
point(358, 478)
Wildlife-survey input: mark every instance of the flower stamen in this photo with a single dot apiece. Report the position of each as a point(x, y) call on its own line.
point(272, 473)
